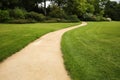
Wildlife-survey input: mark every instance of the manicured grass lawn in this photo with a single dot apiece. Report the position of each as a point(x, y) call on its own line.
point(13, 37)
point(93, 52)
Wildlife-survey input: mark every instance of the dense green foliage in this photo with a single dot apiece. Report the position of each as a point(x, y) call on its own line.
point(35, 16)
point(17, 13)
point(112, 10)
point(13, 37)
point(4, 15)
point(100, 9)
point(93, 52)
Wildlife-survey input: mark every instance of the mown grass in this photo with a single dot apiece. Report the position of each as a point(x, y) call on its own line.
point(93, 52)
point(13, 37)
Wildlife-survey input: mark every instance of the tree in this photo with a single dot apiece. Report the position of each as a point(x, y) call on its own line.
point(60, 3)
point(77, 7)
point(29, 5)
point(112, 10)
point(8, 4)
point(44, 7)
point(90, 6)
point(99, 6)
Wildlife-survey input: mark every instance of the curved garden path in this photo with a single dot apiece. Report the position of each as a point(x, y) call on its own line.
point(40, 60)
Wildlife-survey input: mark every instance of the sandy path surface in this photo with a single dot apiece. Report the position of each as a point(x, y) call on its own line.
point(40, 60)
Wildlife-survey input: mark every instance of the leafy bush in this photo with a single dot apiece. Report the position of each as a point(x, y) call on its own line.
point(51, 20)
point(101, 18)
point(17, 13)
point(72, 18)
point(108, 19)
point(89, 17)
point(35, 16)
point(4, 15)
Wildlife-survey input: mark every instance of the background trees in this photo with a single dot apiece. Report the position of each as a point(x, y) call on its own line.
point(84, 9)
point(112, 10)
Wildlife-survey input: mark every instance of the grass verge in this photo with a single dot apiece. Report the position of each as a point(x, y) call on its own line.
point(93, 52)
point(13, 37)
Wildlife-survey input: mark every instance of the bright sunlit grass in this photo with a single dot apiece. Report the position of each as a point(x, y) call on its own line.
point(93, 52)
point(13, 37)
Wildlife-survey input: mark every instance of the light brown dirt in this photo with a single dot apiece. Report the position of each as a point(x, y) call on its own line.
point(40, 60)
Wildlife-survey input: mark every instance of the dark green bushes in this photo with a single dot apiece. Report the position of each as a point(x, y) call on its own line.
point(4, 15)
point(69, 18)
point(91, 17)
point(72, 18)
point(57, 14)
point(35, 16)
point(17, 13)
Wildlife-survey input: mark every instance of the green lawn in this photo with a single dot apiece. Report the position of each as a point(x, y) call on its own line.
point(13, 37)
point(93, 52)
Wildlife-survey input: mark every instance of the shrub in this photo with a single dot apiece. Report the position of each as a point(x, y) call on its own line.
point(17, 13)
point(72, 18)
point(101, 18)
point(51, 20)
point(108, 19)
point(35, 16)
point(4, 15)
point(89, 17)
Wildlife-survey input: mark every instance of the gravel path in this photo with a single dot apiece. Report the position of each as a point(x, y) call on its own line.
point(40, 60)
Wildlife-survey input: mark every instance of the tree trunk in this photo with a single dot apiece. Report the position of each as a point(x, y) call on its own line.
point(44, 7)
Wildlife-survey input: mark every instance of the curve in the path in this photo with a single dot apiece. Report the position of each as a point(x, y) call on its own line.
point(40, 60)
